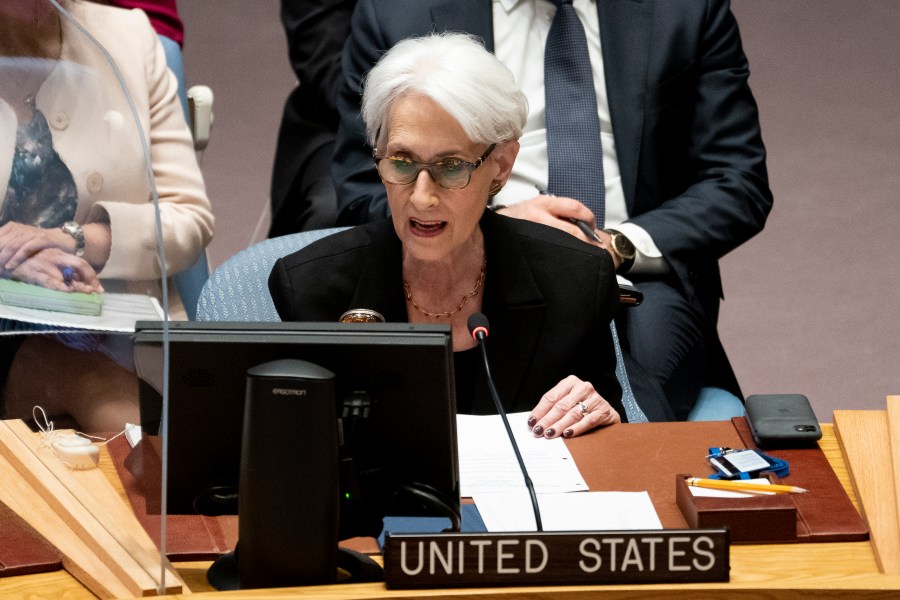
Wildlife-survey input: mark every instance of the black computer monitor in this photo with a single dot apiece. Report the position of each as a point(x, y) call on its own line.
point(397, 377)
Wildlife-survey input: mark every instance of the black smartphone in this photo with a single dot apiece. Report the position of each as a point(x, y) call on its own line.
point(782, 421)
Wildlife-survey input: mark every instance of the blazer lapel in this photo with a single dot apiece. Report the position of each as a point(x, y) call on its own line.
point(515, 308)
point(380, 285)
point(476, 17)
point(625, 35)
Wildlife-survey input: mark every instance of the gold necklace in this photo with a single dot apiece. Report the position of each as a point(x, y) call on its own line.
point(459, 307)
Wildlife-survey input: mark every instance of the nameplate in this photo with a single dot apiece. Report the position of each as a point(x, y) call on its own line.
point(556, 558)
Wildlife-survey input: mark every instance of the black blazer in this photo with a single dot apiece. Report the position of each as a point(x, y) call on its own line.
point(685, 122)
point(548, 296)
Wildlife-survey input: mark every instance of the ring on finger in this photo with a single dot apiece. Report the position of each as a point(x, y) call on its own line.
point(583, 408)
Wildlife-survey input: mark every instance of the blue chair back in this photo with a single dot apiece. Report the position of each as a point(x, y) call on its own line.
point(190, 281)
point(238, 289)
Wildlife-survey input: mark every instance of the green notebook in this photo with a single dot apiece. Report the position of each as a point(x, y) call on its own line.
point(27, 295)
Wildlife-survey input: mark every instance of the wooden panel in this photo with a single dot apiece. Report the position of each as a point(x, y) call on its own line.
point(97, 495)
point(91, 511)
point(67, 500)
point(78, 559)
point(865, 438)
point(893, 415)
point(832, 450)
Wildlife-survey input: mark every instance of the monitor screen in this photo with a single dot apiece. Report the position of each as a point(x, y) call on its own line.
point(398, 376)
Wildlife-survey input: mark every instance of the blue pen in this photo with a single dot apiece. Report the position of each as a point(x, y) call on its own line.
point(68, 274)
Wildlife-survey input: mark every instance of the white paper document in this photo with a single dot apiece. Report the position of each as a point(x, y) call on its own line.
point(487, 463)
point(120, 312)
point(490, 474)
point(583, 511)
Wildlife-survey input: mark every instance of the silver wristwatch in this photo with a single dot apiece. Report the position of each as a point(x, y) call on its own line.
point(77, 232)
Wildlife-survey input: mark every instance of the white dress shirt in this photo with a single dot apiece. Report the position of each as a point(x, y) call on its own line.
point(520, 34)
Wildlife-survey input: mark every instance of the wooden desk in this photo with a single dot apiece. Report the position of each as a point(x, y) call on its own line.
point(811, 570)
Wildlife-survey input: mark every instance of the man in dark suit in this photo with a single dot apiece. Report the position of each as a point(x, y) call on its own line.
point(302, 193)
point(687, 148)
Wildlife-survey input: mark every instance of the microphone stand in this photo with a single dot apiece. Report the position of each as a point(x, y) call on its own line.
point(480, 337)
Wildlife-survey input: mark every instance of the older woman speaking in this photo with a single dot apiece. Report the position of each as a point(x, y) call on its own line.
point(445, 116)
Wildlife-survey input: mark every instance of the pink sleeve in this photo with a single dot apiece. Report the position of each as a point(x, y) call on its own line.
point(163, 16)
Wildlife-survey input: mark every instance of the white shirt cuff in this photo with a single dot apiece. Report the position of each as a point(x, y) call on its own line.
point(648, 259)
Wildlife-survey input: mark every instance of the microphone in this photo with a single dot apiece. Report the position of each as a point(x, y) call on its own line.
point(479, 329)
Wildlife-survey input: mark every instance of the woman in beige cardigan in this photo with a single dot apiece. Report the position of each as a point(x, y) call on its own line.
point(90, 222)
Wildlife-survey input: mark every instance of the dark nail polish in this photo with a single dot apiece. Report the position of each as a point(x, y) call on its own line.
point(550, 433)
point(538, 430)
point(568, 433)
point(531, 421)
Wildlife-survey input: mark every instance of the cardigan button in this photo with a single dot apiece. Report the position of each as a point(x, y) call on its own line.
point(94, 182)
point(60, 121)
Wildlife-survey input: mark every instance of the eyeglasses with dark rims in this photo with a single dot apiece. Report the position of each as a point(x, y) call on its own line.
point(450, 174)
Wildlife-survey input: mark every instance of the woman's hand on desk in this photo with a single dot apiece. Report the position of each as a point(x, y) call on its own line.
point(571, 408)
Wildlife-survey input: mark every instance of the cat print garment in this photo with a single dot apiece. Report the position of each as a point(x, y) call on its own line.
point(41, 189)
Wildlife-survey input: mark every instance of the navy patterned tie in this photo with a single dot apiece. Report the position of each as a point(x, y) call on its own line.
point(573, 126)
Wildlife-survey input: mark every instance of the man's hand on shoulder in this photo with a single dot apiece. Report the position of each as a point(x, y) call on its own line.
point(555, 211)
point(558, 211)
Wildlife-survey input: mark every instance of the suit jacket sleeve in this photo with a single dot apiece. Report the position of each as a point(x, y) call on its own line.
point(316, 32)
point(702, 186)
point(280, 289)
point(301, 191)
point(361, 197)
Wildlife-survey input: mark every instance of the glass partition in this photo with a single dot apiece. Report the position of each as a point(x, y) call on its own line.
point(101, 203)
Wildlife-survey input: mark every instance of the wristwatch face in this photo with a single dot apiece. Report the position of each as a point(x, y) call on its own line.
point(623, 246)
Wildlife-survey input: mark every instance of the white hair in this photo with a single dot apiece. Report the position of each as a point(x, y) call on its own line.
point(459, 75)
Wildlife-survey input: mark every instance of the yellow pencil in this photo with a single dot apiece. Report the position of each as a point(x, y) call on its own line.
point(743, 486)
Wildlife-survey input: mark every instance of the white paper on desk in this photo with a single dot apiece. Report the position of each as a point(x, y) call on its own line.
point(487, 463)
point(120, 312)
point(582, 511)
